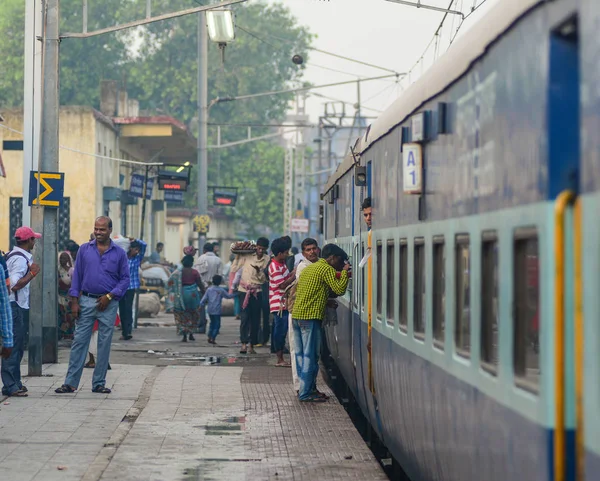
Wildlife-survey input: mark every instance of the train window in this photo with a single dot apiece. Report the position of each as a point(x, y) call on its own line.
point(403, 284)
point(379, 278)
point(391, 286)
point(365, 288)
point(439, 291)
point(489, 302)
point(348, 293)
point(462, 327)
point(419, 289)
point(526, 296)
point(336, 217)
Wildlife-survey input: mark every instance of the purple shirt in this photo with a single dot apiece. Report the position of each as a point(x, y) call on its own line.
point(97, 274)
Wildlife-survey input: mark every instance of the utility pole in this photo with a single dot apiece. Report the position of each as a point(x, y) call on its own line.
point(43, 343)
point(202, 121)
point(144, 193)
point(32, 99)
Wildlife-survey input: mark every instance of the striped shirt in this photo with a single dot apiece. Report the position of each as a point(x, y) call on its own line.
point(313, 289)
point(278, 274)
point(6, 320)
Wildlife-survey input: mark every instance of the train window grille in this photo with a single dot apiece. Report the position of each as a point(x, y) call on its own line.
point(379, 300)
point(489, 302)
point(419, 289)
point(403, 280)
point(16, 219)
point(391, 285)
point(526, 295)
point(439, 291)
point(462, 326)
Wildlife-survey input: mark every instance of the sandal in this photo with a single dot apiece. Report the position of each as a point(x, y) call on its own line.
point(101, 390)
point(313, 398)
point(284, 364)
point(18, 394)
point(90, 365)
point(243, 350)
point(192, 338)
point(64, 389)
point(321, 394)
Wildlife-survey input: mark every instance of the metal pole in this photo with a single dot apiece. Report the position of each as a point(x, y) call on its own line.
point(144, 192)
point(32, 99)
point(202, 121)
point(43, 345)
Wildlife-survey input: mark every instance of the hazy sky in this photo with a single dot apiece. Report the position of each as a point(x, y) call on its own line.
point(375, 31)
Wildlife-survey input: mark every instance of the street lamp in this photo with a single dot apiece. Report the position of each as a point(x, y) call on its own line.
point(221, 28)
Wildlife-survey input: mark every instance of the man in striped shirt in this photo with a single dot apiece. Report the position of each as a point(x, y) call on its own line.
point(279, 278)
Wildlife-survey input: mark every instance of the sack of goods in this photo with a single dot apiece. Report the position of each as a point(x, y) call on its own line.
point(243, 247)
point(122, 242)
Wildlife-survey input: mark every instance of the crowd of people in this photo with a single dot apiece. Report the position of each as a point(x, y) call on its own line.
point(97, 282)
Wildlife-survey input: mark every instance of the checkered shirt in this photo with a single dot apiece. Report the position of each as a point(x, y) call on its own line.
point(6, 321)
point(134, 266)
point(314, 285)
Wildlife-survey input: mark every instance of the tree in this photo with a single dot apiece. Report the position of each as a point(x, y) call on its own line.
point(164, 78)
point(83, 62)
point(157, 64)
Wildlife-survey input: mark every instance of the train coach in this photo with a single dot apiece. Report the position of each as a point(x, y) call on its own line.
point(471, 336)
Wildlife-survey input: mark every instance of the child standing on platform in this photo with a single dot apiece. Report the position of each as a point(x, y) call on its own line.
point(213, 297)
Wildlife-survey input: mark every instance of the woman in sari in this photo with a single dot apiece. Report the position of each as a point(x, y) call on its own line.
point(185, 292)
point(66, 322)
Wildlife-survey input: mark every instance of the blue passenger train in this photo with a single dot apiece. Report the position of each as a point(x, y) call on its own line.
point(471, 338)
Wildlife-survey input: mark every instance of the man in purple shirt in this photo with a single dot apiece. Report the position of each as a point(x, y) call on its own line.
point(100, 279)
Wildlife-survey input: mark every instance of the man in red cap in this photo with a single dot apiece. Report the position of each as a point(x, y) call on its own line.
point(21, 271)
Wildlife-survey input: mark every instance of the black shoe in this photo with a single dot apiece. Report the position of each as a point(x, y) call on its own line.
point(127, 338)
point(184, 339)
point(192, 338)
point(109, 368)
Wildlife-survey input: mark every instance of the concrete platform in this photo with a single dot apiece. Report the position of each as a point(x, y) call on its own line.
point(177, 422)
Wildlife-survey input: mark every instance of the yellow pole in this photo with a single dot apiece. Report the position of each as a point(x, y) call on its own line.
point(579, 343)
point(562, 201)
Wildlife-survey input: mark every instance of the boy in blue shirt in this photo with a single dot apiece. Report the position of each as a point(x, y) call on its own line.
point(213, 297)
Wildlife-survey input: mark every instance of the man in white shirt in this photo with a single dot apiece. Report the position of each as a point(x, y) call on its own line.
point(21, 271)
point(208, 266)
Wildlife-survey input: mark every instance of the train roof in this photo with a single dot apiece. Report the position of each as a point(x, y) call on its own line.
point(452, 66)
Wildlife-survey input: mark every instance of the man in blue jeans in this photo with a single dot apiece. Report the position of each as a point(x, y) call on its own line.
point(21, 271)
point(330, 273)
point(100, 279)
point(135, 254)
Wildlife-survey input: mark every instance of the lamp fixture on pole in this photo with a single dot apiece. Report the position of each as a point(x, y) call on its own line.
point(221, 28)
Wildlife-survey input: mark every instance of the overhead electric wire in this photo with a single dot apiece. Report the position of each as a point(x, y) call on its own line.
point(473, 10)
point(316, 94)
point(135, 162)
point(349, 59)
point(309, 63)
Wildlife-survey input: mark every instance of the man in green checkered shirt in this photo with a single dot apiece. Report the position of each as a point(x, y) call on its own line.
point(330, 273)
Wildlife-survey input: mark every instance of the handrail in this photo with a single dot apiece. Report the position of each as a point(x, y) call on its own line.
point(370, 316)
point(579, 342)
point(564, 199)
